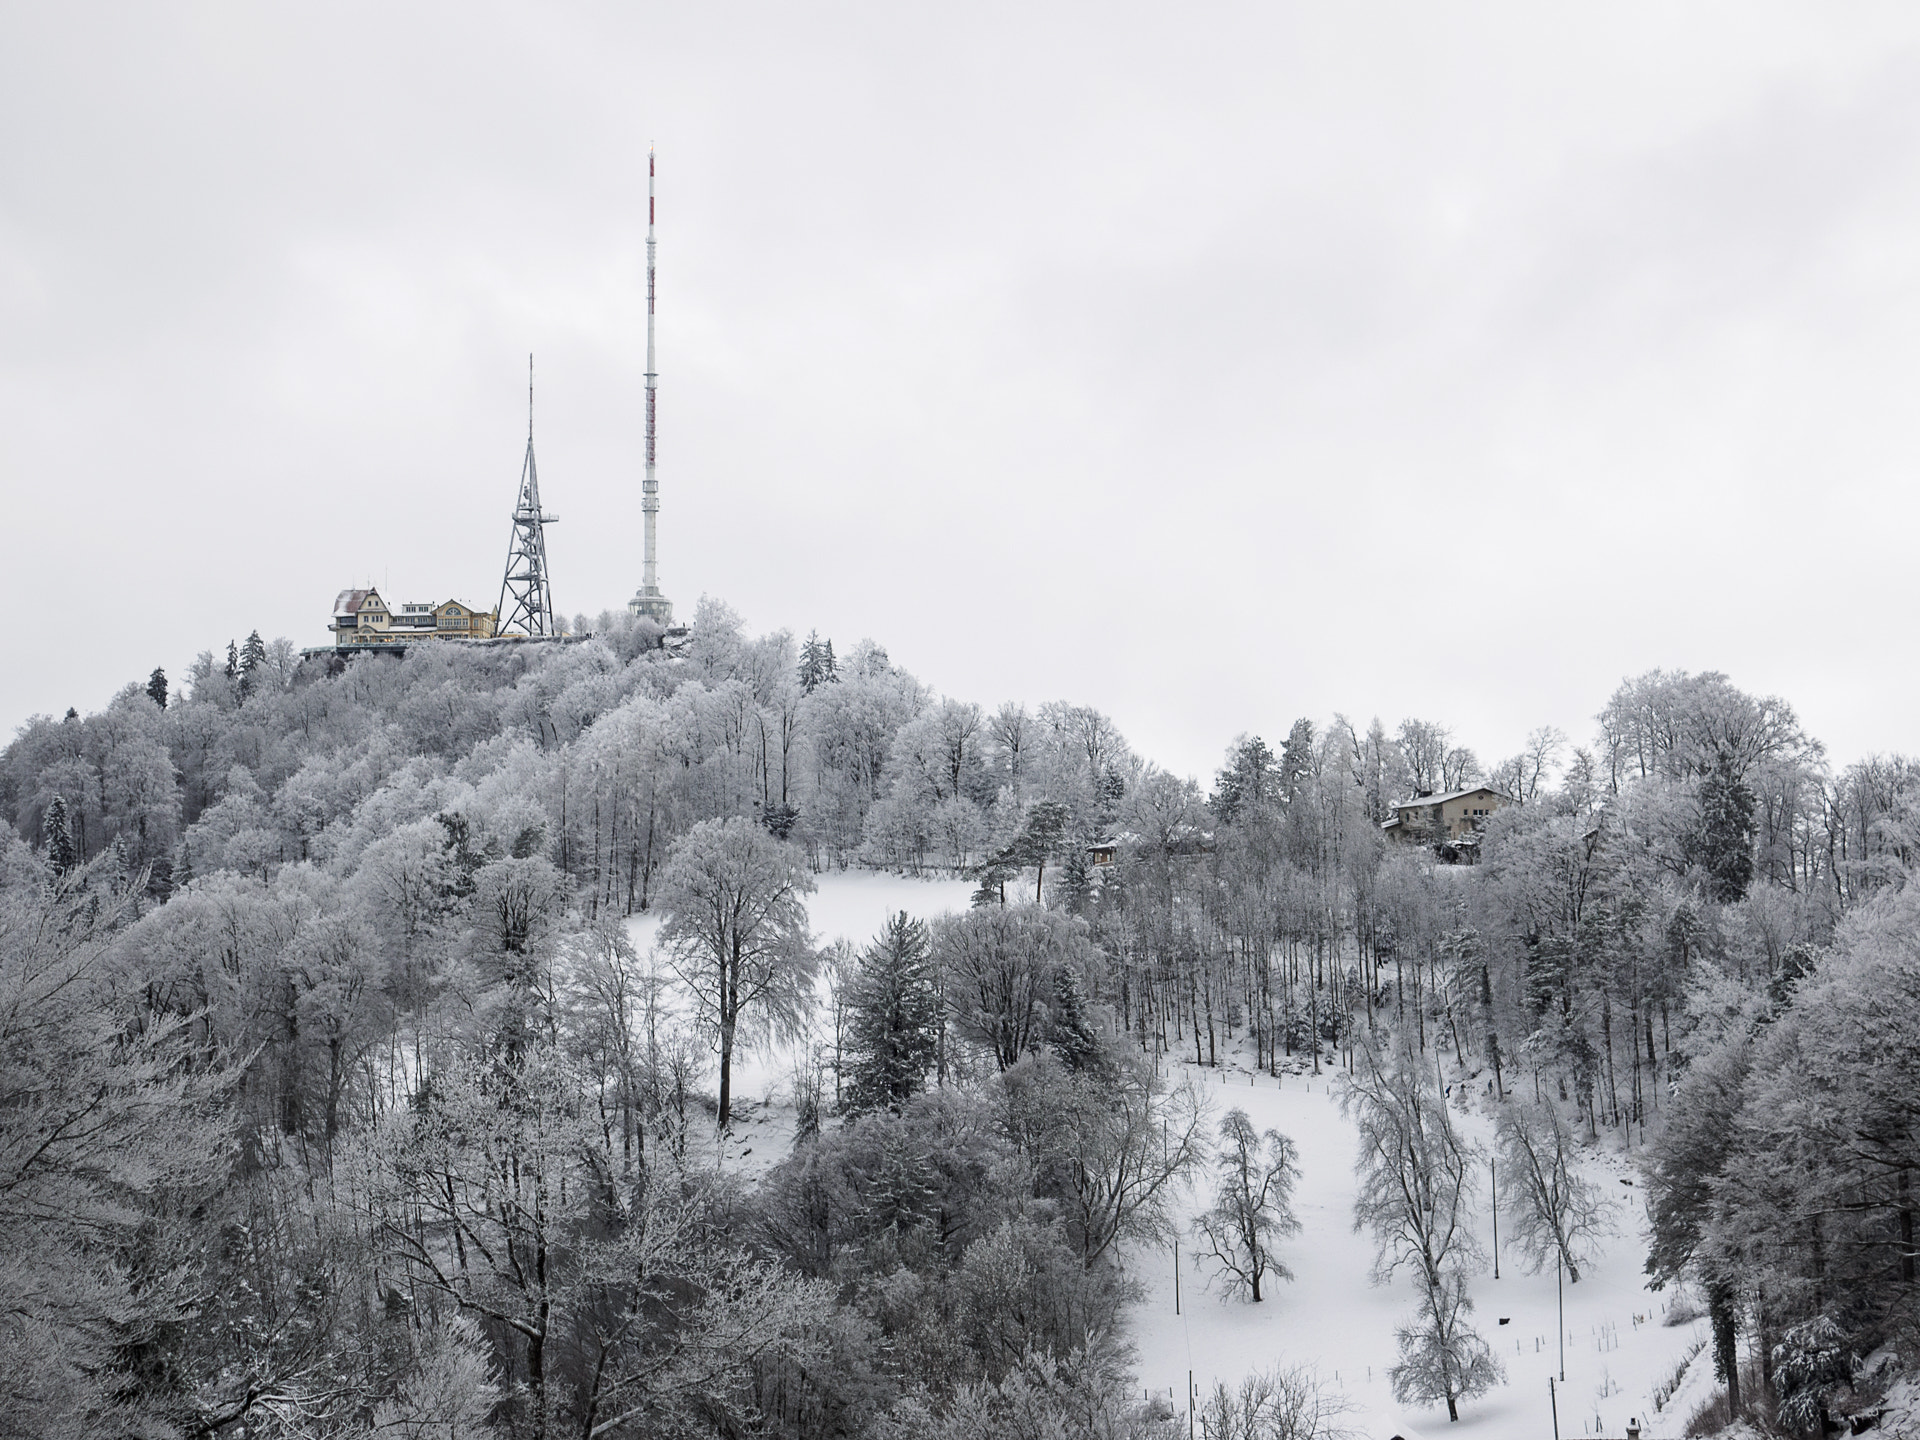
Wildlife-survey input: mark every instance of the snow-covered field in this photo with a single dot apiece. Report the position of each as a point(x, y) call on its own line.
point(845, 905)
point(1329, 1317)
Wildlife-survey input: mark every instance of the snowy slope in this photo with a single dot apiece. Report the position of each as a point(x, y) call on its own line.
point(1617, 1349)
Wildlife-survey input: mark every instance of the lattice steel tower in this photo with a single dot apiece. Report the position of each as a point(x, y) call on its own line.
point(648, 601)
point(526, 582)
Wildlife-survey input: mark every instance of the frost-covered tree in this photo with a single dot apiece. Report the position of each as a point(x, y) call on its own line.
point(1250, 778)
point(1287, 1402)
point(1552, 1208)
point(1108, 1149)
point(1441, 1355)
point(58, 837)
point(106, 1144)
point(1252, 1206)
point(1000, 970)
point(893, 1017)
point(1423, 746)
point(1416, 1174)
point(737, 931)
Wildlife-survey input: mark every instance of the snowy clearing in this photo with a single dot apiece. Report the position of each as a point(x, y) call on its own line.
point(1331, 1318)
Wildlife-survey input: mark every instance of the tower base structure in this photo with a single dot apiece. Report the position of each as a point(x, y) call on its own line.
point(649, 604)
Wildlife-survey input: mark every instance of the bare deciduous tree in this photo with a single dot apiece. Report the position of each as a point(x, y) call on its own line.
point(1285, 1403)
point(1253, 1207)
point(1554, 1209)
point(1416, 1172)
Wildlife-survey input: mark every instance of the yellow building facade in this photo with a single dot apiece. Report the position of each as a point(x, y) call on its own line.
point(362, 617)
point(1460, 813)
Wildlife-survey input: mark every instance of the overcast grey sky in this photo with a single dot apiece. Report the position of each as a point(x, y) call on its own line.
point(1211, 365)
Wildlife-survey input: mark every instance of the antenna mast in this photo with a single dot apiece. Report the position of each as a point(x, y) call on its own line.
point(526, 581)
point(649, 601)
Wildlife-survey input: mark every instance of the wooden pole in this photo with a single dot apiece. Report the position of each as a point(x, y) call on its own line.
point(1493, 1178)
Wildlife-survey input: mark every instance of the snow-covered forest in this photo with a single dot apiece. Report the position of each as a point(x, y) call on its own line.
point(337, 1097)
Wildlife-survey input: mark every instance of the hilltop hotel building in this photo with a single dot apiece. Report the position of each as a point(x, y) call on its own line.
point(361, 617)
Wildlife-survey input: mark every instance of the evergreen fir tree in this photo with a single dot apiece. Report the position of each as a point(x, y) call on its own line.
point(894, 1011)
point(58, 836)
point(780, 820)
point(1296, 759)
point(1042, 831)
point(829, 673)
point(233, 663)
point(993, 876)
point(1076, 880)
point(811, 667)
point(252, 656)
point(1248, 778)
point(1722, 845)
point(1071, 1033)
point(157, 687)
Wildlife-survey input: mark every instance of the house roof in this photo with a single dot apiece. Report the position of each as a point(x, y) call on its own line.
point(1421, 801)
point(348, 602)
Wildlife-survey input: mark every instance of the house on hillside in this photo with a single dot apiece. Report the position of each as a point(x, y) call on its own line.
point(361, 617)
point(1450, 819)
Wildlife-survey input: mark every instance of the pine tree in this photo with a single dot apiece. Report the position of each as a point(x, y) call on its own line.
point(1296, 758)
point(157, 687)
point(993, 875)
point(1076, 880)
point(1250, 777)
point(894, 1014)
point(1071, 1033)
point(233, 663)
point(1042, 830)
point(252, 656)
point(58, 835)
point(812, 663)
point(1722, 845)
point(829, 673)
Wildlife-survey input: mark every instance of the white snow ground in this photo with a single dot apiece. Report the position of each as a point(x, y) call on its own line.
point(1330, 1318)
